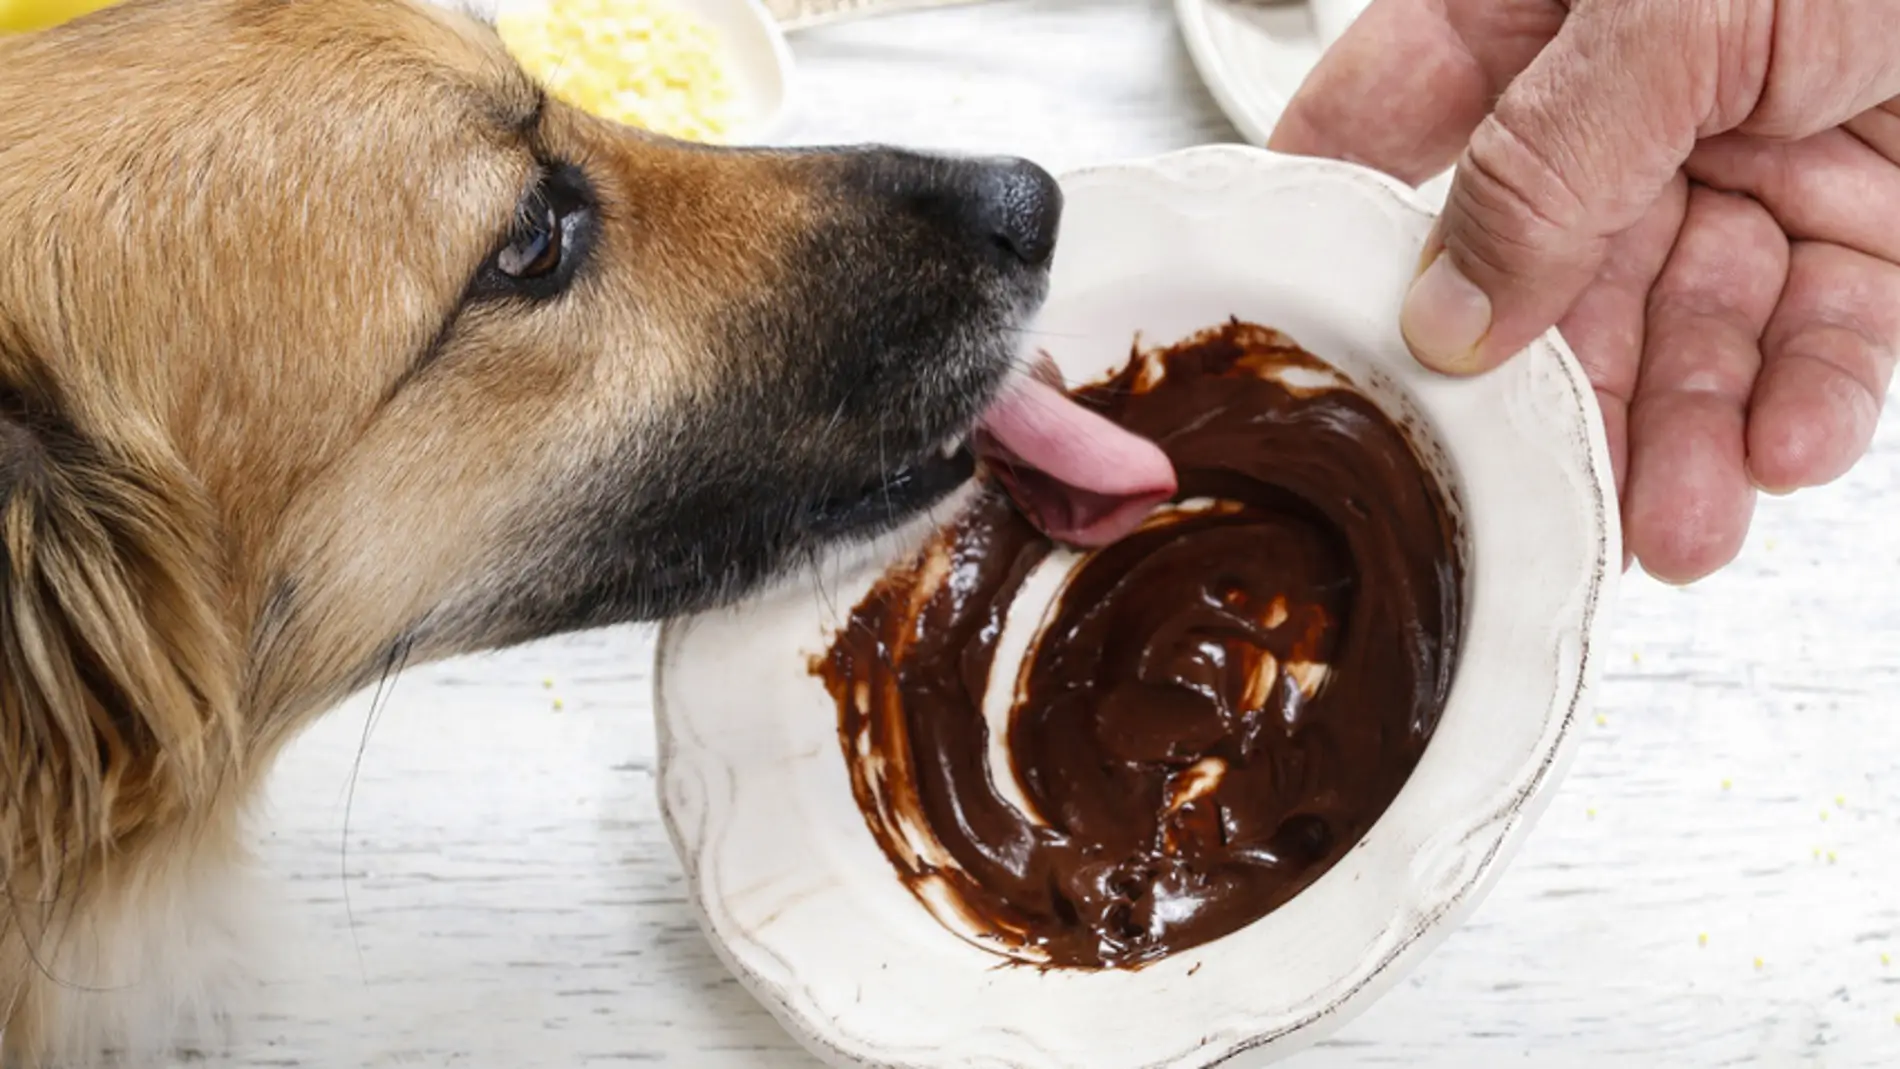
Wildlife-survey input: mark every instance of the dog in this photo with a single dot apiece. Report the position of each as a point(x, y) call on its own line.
point(330, 344)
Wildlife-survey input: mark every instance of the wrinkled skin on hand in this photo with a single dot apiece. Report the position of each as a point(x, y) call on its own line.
point(1703, 194)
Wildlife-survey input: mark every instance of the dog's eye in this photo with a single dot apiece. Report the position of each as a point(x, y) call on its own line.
point(536, 250)
point(548, 243)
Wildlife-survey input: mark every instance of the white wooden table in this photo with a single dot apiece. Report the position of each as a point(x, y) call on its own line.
point(508, 898)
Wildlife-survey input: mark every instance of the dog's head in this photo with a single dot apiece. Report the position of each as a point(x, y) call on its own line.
point(325, 335)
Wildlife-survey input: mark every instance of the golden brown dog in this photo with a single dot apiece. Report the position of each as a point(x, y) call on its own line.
point(327, 344)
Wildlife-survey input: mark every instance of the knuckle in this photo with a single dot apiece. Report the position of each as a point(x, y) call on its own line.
point(1839, 363)
point(1831, 286)
point(1742, 47)
point(1729, 262)
point(1518, 188)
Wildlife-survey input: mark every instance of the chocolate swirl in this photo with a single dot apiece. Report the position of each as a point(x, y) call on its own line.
point(1215, 709)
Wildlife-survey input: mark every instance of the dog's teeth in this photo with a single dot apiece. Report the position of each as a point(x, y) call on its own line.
point(950, 447)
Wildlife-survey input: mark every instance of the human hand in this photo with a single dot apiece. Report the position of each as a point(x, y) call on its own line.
point(1704, 195)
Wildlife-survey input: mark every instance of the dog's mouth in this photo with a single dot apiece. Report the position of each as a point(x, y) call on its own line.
point(1080, 478)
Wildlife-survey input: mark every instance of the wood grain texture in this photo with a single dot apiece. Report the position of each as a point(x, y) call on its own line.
point(508, 899)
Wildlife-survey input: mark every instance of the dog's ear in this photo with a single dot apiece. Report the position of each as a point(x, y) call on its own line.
point(117, 679)
point(16, 449)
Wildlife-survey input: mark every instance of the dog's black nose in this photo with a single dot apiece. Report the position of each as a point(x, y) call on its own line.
point(1009, 208)
point(1020, 205)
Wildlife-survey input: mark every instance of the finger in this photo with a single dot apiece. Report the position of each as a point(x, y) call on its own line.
point(1606, 327)
point(1828, 357)
point(1689, 499)
point(1577, 151)
point(1880, 129)
point(1403, 87)
point(1824, 63)
point(1821, 188)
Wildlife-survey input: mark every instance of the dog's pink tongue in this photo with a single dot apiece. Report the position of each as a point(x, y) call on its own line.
point(1080, 478)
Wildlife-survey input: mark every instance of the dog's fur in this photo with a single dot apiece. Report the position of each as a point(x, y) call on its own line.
point(274, 417)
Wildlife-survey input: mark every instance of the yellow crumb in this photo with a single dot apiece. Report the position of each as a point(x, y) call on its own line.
point(1760, 963)
point(638, 62)
point(1769, 545)
point(1830, 857)
point(1727, 783)
point(1886, 959)
point(548, 683)
point(558, 705)
point(1823, 814)
point(1591, 813)
point(1635, 657)
point(1702, 940)
point(1840, 801)
point(1817, 853)
point(1602, 721)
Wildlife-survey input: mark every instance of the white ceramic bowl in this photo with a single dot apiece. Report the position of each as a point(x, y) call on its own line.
point(759, 61)
point(804, 908)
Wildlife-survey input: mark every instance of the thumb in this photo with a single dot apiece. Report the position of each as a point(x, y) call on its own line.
point(1575, 152)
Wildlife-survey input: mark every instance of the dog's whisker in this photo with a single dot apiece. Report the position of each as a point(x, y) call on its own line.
point(837, 418)
point(883, 464)
point(814, 562)
point(393, 666)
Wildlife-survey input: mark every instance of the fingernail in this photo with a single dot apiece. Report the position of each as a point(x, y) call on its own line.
point(1445, 317)
point(1771, 491)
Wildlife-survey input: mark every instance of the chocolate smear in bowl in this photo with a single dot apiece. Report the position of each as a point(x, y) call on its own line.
point(1217, 705)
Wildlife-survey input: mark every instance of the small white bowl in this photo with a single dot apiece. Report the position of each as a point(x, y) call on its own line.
point(760, 60)
point(805, 909)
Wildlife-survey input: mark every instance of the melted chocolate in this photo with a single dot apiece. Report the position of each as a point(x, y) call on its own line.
point(1215, 709)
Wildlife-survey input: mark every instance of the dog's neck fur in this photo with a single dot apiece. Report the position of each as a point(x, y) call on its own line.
point(118, 716)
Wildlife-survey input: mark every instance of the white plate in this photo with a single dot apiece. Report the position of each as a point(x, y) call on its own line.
point(801, 904)
point(1253, 58)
